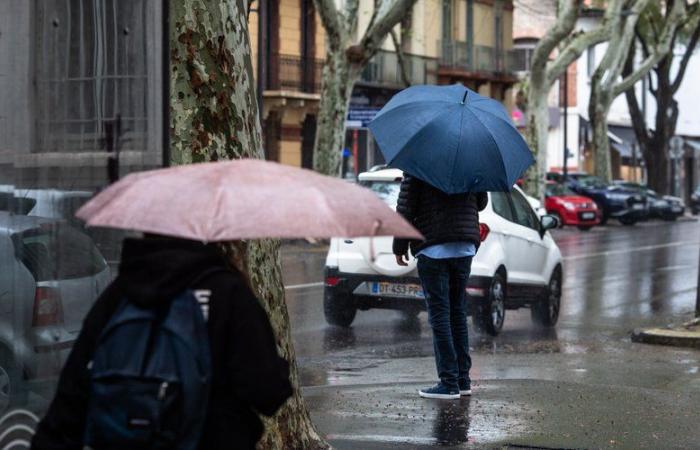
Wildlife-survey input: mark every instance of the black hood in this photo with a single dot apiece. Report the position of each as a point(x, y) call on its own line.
point(153, 270)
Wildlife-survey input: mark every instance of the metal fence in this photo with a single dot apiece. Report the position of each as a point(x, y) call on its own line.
point(384, 69)
point(298, 73)
point(477, 58)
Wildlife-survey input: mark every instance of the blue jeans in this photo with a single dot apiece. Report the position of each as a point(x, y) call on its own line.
point(444, 283)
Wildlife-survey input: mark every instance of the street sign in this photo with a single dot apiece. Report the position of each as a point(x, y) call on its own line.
point(676, 147)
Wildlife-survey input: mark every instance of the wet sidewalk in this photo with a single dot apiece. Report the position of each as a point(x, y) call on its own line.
point(506, 414)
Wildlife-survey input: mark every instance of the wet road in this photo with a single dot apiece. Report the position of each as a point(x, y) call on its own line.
point(616, 279)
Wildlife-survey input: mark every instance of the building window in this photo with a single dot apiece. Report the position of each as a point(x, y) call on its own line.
point(447, 20)
point(92, 66)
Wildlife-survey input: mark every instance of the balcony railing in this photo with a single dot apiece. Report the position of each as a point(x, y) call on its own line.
point(476, 58)
point(296, 73)
point(384, 69)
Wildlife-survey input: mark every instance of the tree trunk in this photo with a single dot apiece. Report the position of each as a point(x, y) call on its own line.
point(537, 131)
point(597, 112)
point(338, 80)
point(214, 116)
point(657, 165)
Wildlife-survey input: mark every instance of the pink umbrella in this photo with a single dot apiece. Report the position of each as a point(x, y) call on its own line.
point(242, 199)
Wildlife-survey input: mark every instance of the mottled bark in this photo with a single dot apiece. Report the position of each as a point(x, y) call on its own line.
point(654, 143)
point(214, 116)
point(607, 81)
point(345, 59)
point(545, 70)
point(338, 80)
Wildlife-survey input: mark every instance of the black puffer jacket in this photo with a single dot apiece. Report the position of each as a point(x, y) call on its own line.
point(248, 375)
point(440, 217)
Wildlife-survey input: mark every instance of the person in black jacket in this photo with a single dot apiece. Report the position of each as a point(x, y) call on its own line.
point(248, 375)
point(450, 225)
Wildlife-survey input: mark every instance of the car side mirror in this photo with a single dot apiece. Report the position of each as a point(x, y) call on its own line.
point(548, 222)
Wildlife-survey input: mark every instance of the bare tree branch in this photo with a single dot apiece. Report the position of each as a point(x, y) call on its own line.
point(331, 19)
point(584, 40)
point(689, 50)
point(661, 49)
point(566, 21)
point(405, 78)
point(389, 14)
point(638, 119)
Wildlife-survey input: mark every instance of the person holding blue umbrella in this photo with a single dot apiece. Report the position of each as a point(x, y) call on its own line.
point(453, 145)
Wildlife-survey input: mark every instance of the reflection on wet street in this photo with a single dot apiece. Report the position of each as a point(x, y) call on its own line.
point(616, 279)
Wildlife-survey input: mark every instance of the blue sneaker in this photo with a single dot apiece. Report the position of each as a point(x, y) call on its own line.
point(440, 391)
point(465, 388)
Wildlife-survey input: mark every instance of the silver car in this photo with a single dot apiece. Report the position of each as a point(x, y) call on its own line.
point(51, 274)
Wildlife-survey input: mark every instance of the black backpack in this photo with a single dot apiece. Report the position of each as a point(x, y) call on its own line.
point(150, 378)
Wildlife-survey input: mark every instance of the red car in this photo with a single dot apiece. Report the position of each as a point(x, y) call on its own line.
point(571, 208)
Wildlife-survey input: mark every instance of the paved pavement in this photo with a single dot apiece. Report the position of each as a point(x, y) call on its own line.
point(583, 384)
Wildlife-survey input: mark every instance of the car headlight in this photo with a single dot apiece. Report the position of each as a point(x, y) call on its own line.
point(570, 206)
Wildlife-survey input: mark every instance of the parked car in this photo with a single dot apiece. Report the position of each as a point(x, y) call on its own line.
point(518, 265)
point(51, 203)
point(629, 206)
point(664, 207)
point(695, 201)
point(51, 274)
point(570, 208)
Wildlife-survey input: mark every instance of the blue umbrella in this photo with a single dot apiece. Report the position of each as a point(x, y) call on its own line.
point(452, 138)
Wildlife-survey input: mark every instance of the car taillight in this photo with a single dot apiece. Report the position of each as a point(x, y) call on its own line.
point(48, 309)
point(332, 281)
point(484, 231)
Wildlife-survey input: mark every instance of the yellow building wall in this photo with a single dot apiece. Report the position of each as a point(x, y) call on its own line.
point(507, 29)
point(483, 25)
point(320, 39)
point(290, 21)
point(426, 31)
point(253, 33)
point(459, 14)
point(290, 153)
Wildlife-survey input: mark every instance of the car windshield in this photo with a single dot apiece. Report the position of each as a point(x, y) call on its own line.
point(558, 190)
point(58, 252)
point(591, 181)
point(386, 190)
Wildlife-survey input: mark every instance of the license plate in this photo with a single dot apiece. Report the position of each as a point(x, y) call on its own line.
point(677, 209)
point(638, 206)
point(588, 216)
point(396, 290)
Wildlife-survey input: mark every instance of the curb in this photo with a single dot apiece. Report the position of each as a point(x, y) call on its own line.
point(670, 337)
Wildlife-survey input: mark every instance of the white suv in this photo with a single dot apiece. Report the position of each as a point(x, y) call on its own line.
point(518, 265)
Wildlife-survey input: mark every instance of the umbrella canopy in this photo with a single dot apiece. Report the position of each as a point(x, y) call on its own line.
point(452, 138)
point(242, 199)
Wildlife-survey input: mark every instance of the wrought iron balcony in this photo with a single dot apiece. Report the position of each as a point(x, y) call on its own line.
point(384, 69)
point(477, 58)
point(296, 73)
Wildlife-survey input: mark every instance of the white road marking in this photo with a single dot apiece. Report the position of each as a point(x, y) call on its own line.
point(630, 250)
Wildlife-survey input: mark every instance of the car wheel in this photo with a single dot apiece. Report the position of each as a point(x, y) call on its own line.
point(546, 311)
point(410, 314)
point(627, 221)
point(490, 314)
point(585, 227)
point(12, 390)
point(603, 219)
point(560, 221)
point(339, 309)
